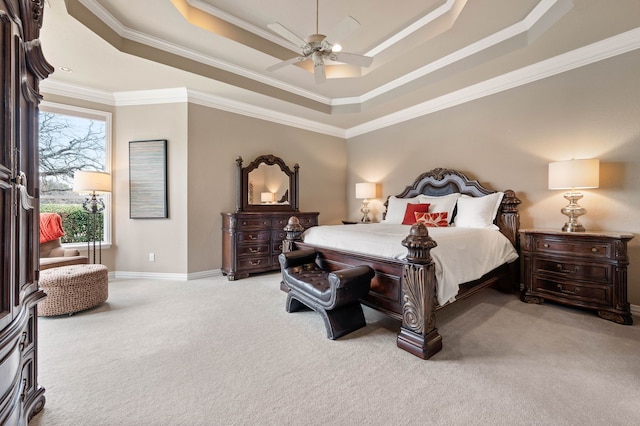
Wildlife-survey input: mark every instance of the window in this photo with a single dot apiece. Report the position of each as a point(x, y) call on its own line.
point(73, 139)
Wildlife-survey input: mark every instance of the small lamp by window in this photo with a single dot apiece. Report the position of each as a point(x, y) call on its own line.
point(92, 182)
point(572, 175)
point(365, 191)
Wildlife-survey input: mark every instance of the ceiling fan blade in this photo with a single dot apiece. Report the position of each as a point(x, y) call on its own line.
point(343, 29)
point(283, 32)
point(351, 59)
point(285, 63)
point(319, 72)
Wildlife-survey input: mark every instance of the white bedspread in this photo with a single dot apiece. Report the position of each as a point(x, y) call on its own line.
point(462, 254)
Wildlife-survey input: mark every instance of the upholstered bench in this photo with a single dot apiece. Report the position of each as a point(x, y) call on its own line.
point(334, 295)
point(72, 289)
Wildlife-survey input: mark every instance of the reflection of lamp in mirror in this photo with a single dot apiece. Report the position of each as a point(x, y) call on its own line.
point(92, 182)
point(572, 175)
point(365, 191)
point(267, 197)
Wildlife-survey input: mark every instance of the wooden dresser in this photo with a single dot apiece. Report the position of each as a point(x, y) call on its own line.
point(252, 241)
point(584, 269)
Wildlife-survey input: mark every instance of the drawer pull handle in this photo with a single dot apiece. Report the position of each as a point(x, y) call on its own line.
point(253, 237)
point(562, 290)
point(254, 250)
point(594, 249)
point(254, 262)
point(567, 271)
point(545, 245)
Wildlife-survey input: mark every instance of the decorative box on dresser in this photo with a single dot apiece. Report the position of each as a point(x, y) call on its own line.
point(583, 269)
point(252, 241)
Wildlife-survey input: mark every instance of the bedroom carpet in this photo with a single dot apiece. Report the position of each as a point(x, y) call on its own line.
point(214, 352)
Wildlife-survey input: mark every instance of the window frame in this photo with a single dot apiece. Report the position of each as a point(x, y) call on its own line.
point(93, 114)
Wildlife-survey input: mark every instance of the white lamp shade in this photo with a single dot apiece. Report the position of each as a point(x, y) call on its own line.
point(574, 174)
point(366, 190)
point(267, 197)
point(90, 181)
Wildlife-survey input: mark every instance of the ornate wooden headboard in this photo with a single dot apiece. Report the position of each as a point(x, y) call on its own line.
point(440, 181)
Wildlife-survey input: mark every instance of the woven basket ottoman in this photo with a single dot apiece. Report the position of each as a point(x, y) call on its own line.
point(73, 289)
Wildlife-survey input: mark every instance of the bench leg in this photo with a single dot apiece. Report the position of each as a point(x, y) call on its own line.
point(293, 304)
point(342, 320)
point(338, 321)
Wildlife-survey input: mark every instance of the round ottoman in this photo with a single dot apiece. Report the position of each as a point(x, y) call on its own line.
point(73, 288)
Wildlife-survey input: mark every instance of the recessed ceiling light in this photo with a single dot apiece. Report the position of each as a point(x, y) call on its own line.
point(66, 69)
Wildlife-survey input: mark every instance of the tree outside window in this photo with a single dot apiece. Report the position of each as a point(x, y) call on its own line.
point(72, 139)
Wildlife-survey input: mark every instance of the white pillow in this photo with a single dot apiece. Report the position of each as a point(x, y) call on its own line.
point(397, 207)
point(478, 212)
point(443, 203)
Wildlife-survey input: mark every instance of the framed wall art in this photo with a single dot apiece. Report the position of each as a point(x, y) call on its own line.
point(148, 179)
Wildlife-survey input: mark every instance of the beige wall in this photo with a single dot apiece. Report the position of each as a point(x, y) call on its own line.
point(134, 239)
point(216, 138)
point(507, 140)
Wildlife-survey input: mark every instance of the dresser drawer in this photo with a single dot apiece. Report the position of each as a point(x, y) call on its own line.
point(572, 247)
point(276, 247)
point(308, 221)
point(246, 249)
point(600, 295)
point(255, 236)
point(280, 222)
point(256, 263)
point(253, 222)
point(278, 235)
point(598, 273)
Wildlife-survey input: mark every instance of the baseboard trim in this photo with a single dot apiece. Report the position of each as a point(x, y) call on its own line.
point(164, 276)
point(635, 309)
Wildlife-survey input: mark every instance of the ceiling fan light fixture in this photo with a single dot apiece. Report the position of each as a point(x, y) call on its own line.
point(336, 48)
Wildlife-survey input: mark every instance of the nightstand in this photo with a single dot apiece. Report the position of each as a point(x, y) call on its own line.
point(583, 269)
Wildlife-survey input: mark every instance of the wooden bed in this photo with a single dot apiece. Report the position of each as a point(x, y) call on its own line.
point(405, 289)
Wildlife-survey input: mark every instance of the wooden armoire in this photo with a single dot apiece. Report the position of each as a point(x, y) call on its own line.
point(22, 67)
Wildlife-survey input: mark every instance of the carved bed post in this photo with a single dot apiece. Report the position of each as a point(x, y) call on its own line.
point(294, 231)
point(419, 334)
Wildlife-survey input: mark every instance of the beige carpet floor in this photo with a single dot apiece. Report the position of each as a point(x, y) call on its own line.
point(214, 352)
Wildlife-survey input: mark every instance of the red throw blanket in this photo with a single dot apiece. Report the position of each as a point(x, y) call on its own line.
point(50, 227)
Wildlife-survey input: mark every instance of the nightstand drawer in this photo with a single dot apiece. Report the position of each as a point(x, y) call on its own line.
point(574, 291)
point(572, 247)
point(591, 272)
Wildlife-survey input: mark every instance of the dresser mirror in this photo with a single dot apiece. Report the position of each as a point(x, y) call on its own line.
point(266, 184)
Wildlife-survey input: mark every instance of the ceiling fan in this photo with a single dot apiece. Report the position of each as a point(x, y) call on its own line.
point(318, 48)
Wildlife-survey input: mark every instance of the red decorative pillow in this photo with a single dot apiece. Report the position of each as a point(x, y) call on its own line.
point(412, 209)
point(434, 220)
point(50, 227)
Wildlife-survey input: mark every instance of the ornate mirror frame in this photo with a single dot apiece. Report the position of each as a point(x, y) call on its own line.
point(242, 185)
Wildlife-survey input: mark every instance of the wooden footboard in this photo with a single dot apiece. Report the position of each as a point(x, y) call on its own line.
point(405, 290)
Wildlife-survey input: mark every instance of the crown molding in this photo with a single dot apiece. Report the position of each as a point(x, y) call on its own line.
point(598, 51)
point(601, 50)
point(541, 9)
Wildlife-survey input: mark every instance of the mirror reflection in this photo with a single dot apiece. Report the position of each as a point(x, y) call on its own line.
point(268, 185)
